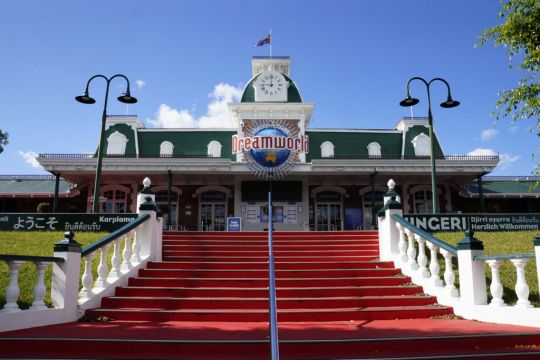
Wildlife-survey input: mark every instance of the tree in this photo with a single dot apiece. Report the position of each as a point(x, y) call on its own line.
point(3, 140)
point(520, 35)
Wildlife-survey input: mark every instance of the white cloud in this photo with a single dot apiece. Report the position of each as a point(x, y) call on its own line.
point(168, 117)
point(140, 84)
point(488, 134)
point(217, 114)
point(482, 152)
point(506, 160)
point(30, 158)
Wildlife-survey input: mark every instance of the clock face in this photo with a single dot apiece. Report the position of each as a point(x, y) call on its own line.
point(271, 86)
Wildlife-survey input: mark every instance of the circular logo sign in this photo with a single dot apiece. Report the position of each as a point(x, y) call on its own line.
point(270, 147)
point(271, 158)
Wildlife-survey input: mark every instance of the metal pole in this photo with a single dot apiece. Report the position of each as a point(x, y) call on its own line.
point(481, 194)
point(434, 193)
point(169, 191)
point(373, 213)
point(56, 189)
point(100, 151)
point(272, 283)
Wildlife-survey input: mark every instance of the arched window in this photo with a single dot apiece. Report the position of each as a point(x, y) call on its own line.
point(166, 148)
point(374, 149)
point(327, 149)
point(214, 149)
point(116, 144)
point(421, 145)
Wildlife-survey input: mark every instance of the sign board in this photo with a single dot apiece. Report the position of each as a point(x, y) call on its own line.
point(64, 222)
point(476, 222)
point(234, 224)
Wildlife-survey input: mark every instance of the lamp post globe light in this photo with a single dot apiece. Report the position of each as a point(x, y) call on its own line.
point(126, 98)
point(449, 103)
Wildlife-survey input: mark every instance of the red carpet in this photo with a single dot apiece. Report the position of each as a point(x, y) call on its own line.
point(208, 299)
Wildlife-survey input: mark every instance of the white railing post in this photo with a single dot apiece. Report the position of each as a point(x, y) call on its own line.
point(103, 268)
point(522, 289)
point(412, 265)
point(449, 276)
point(422, 258)
point(402, 256)
point(126, 254)
point(13, 291)
point(388, 233)
point(537, 253)
point(434, 268)
point(496, 287)
point(472, 274)
point(65, 276)
point(116, 261)
point(87, 278)
point(40, 290)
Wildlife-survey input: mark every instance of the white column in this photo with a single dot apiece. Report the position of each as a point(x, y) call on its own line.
point(449, 276)
point(496, 287)
point(434, 268)
point(537, 252)
point(126, 254)
point(40, 289)
point(116, 261)
point(472, 277)
point(65, 278)
point(388, 235)
point(422, 258)
point(522, 289)
point(411, 251)
point(12, 291)
point(87, 278)
point(402, 245)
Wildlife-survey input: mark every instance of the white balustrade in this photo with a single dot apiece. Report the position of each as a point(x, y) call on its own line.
point(422, 258)
point(434, 268)
point(13, 291)
point(449, 276)
point(87, 278)
point(522, 289)
point(116, 261)
point(402, 244)
point(103, 269)
point(136, 250)
point(411, 251)
point(496, 287)
point(40, 289)
point(126, 254)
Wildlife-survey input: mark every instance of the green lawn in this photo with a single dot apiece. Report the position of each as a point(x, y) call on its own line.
point(36, 243)
point(499, 243)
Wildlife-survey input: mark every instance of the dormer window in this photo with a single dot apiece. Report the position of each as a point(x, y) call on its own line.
point(421, 145)
point(214, 149)
point(327, 149)
point(166, 149)
point(374, 149)
point(116, 144)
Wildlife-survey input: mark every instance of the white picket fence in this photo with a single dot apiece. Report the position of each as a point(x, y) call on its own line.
point(141, 243)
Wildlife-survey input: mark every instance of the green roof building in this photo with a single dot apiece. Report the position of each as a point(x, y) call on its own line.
point(323, 179)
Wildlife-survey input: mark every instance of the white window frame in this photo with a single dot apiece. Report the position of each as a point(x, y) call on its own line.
point(166, 148)
point(116, 143)
point(327, 149)
point(374, 149)
point(214, 148)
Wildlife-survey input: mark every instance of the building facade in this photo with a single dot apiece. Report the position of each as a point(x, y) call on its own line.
point(322, 179)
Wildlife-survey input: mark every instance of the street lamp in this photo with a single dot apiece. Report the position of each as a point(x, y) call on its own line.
point(449, 103)
point(126, 98)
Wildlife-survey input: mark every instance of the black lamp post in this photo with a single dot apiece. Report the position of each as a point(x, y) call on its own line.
point(126, 98)
point(449, 103)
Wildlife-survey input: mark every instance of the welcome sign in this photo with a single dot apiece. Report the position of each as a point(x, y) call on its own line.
point(475, 222)
point(270, 147)
point(64, 222)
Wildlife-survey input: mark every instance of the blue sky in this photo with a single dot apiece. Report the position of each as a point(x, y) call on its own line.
point(187, 59)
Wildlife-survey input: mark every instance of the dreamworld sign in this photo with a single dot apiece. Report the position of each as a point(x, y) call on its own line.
point(270, 149)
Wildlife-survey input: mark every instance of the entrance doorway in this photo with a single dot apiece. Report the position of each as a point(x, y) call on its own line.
point(213, 211)
point(328, 211)
point(162, 201)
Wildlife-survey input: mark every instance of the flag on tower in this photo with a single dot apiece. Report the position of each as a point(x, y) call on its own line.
point(266, 40)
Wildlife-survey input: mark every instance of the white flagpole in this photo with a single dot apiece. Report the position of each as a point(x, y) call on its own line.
point(270, 42)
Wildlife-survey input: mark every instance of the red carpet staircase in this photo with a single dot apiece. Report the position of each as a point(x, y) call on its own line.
point(208, 299)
